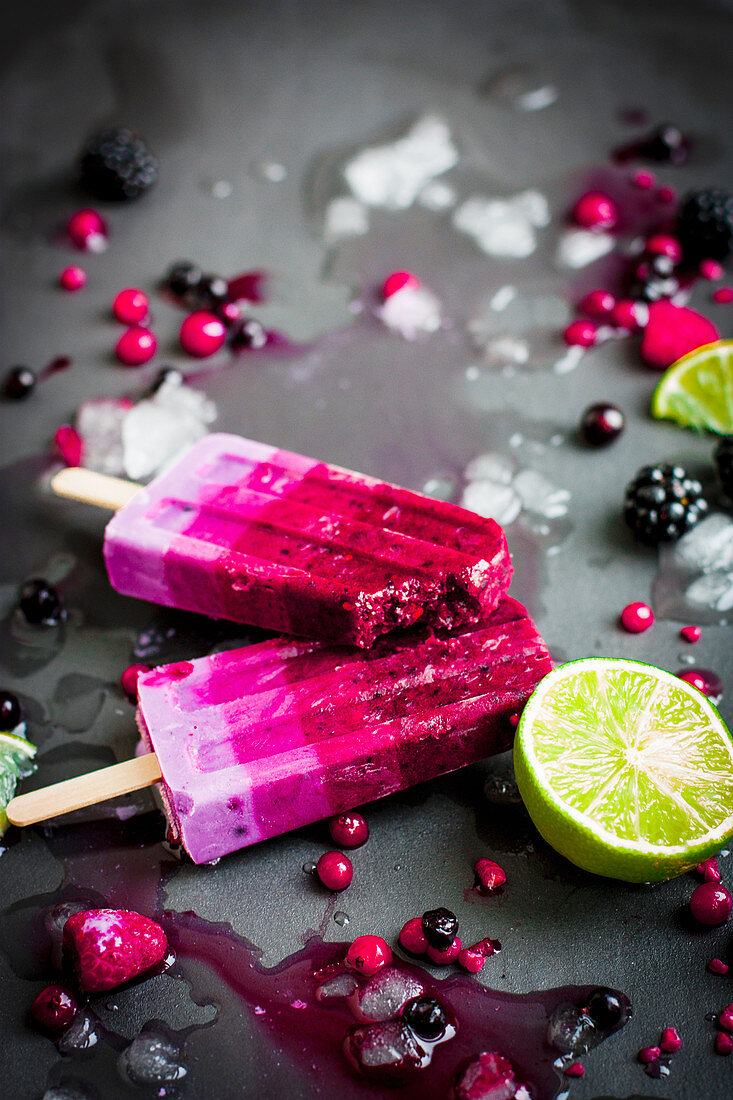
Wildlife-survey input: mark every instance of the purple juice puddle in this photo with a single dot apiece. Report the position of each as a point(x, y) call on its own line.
point(308, 1006)
point(249, 286)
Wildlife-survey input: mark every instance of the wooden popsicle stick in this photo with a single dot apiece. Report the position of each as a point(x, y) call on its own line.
point(88, 486)
point(84, 790)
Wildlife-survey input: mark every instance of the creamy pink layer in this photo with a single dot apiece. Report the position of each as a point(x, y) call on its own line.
point(240, 530)
point(264, 739)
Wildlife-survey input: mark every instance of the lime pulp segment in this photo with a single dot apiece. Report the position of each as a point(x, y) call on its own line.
point(625, 765)
point(697, 390)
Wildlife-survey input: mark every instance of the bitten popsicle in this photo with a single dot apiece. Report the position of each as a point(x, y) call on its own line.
point(264, 739)
point(243, 531)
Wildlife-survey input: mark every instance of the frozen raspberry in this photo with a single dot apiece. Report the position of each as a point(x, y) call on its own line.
point(69, 444)
point(598, 304)
point(128, 680)
point(644, 179)
point(368, 954)
point(87, 230)
point(54, 1009)
point(399, 280)
point(648, 1055)
point(629, 315)
point(412, 938)
point(72, 278)
point(725, 1019)
point(582, 334)
point(490, 1076)
point(709, 870)
point(595, 210)
point(717, 966)
point(109, 947)
point(662, 244)
point(723, 1043)
point(575, 1069)
point(489, 874)
point(690, 634)
point(670, 1041)
point(710, 270)
point(471, 960)
point(350, 830)
point(723, 296)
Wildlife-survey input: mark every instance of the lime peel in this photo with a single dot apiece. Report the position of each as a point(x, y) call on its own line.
point(625, 769)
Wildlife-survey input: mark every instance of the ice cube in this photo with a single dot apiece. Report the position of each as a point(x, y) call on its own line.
point(579, 247)
point(440, 488)
point(538, 494)
point(69, 1091)
point(82, 1034)
point(492, 500)
point(385, 993)
point(153, 1058)
point(709, 546)
point(714, 590)
point(345, 217)
point(490, 467)
point(387, 1050)
point(161, 427)
point(572, 1031)
point(99, 423)
point(393, 175)
point(342, 985)
point(412, 311)
point(503, 227)
point(437, 196)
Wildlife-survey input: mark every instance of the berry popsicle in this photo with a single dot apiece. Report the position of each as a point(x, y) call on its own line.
point(261, 740)
point(243, 531)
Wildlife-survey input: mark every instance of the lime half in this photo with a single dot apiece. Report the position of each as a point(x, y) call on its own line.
point(625, 769)
point(697, 390)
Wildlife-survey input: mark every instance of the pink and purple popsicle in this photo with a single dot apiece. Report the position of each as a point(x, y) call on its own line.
point(261, 740)
point(243, 531)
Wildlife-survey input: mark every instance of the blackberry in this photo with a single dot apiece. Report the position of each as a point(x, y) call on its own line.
point(662, 502)
point(705, 225)
point(182, 278)
point(117, 164)
point(723, 459)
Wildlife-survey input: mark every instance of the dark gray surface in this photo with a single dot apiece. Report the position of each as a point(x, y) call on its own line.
point(217, 88)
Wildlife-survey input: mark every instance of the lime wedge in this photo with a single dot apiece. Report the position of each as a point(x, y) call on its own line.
point(625, 769)
point(16, 762)
point(697, 390)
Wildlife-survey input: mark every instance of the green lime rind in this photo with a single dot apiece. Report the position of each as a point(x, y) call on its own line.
point(625, 769)
point(16, 762)
point(697, 390)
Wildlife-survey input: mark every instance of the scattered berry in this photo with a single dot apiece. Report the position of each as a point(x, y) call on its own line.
point(605, 1008)
point(488, 1076)
point(665, 144)
point(662, 502)
point(40, 603)
point(725, 1019)
point(723, 296)
point(690, 634)
point(212, 292)
point(486, 947)
point(575, 1069)
point(489, 874)
point(662, 244)
point(644, 179)
point(711, 904)
point(446, 956)
point(182, 278)
point(595, 210)
point(10, 712)
point(705, 225)
point(598, 304)
point(248, 334)
point(717, 966)
point(673, 331)
point(637, 617)
point(723, 1043)
point(19, 383)
point(399, 280)
point(601, 424)
point(69, 444)
point(368, 954)
point(131, 306)
point(670, 1041)
point(471, 960)
point(117, 164)
point(709, 870)
point(54, 1009)
point(72, 278)
point(335, 870)
point(709, 683)
point(648, 1055)
point(581, 334)
point(440, 928)
point(87, 230)
point(109, 947)
point(350, 830)
point(666, 194)
point(710, 270)
point(136, 346)
point(629, 315)
point(128, 680)
point(412, 938)
point(202, 334)
point(723, 459)
point(230, 313)
point(426, 1017)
